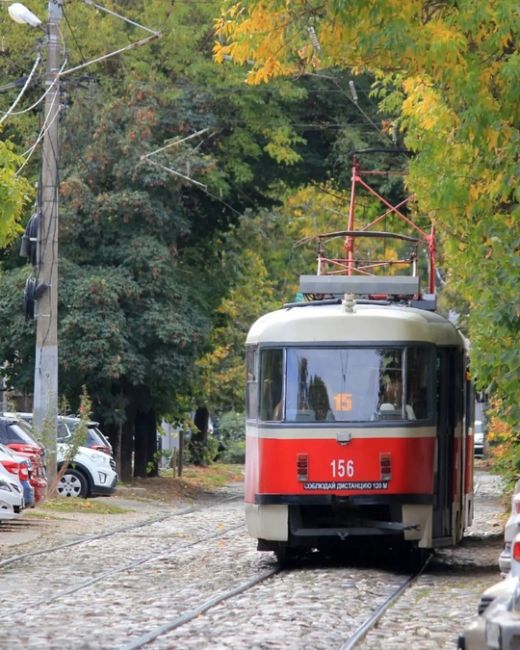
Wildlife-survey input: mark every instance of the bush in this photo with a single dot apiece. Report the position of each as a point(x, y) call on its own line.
point(231, 436)
point(198, 454)
point(504, 450)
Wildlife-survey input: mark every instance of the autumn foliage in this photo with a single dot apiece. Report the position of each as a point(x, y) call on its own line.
point(450, 72)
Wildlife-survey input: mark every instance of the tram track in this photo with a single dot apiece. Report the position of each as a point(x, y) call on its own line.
point(110, 533)
point(190, 597)
point(188, 568)
point(159, 633)
point(188, 616)
point(198, 582)
point(113, 572)
point(369, 623)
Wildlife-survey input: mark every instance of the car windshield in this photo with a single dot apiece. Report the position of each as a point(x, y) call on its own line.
point(63, 431)
point(95, 437)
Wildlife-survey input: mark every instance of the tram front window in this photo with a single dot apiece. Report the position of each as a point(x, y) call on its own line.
point(356, 384)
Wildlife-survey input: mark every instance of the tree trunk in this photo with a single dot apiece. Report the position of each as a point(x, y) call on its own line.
point(151, 448)
point(141, 444)
point(199, 439)
point(127, 447)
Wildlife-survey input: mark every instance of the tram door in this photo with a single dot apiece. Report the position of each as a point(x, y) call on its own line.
point(447, 395)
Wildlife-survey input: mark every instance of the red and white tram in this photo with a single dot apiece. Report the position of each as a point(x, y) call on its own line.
point(359, 419)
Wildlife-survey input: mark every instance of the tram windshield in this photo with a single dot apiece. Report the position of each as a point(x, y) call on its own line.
point(346, 385)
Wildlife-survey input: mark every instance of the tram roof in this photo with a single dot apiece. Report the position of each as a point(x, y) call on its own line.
point(331, 323)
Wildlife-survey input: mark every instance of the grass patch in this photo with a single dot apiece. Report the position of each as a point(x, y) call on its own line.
point(194, 482)
point(213, 476)
point(87, 506)
point(38, 514)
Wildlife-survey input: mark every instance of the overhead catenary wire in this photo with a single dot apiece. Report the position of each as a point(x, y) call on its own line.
point(45, 127)
point(42, 97)
point(202, 186)
point(177, 173)
point(116, 15)
point(154, 34)
point(98, 59)
point(353, 99)
point(22, 92)
point(73, 34)
point(174, 143)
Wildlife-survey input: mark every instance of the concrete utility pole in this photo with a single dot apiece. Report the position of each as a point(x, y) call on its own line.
point(45, 404)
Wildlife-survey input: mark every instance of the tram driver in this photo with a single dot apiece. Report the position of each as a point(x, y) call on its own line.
point(391, 402)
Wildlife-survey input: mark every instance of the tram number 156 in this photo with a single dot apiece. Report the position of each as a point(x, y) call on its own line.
point(342, 468)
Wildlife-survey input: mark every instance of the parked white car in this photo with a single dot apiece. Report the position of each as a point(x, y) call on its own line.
point(67, 426)
point(6, 509)
point(478, 439)
point(511, 529)
point(11, 492)
point(492, 603)
point(90, 473)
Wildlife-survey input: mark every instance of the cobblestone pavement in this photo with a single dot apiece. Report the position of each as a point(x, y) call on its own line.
point(107, 592)
point(440, 604)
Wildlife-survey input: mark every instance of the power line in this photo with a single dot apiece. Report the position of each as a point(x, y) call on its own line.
point(28, 154)
point(42, 97)
point(21, 93)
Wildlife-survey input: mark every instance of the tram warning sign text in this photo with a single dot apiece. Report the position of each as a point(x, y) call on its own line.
point(346, 485)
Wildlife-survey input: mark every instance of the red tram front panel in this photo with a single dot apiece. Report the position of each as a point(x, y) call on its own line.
point(365, 465)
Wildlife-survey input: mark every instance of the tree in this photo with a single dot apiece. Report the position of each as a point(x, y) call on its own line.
point(264, 260)
point(140, 245)
point(15, 192)
point(145, 264)
point(451, 72)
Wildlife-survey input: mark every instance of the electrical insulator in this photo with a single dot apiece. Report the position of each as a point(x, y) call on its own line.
point(353, 91)
point(314, 38)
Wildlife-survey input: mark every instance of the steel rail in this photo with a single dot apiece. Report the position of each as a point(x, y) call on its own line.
point(201, 609)
point(374, 617)
point(110, 533)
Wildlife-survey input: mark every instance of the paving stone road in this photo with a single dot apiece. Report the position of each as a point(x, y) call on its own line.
point(84, 597)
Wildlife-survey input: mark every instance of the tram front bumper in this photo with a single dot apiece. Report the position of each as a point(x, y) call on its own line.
point(268, 521)
point(277, 522)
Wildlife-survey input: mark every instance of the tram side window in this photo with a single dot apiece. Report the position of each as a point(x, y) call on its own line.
point(390, 385)
point(252, 384)
point(417, 381)
point(271, 377)
point(404, 381)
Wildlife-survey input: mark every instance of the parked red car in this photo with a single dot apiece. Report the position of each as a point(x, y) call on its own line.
point(16, 434)
point(21, 467)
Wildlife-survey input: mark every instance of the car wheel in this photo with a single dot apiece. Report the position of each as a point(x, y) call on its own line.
point(72, 484)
